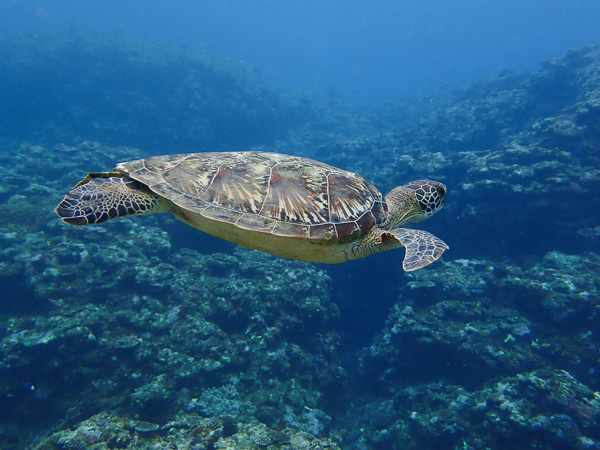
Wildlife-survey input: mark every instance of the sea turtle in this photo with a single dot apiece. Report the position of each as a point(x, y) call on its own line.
point(288, 206)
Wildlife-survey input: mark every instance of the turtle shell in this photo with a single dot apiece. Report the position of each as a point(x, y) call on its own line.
point(265, 192)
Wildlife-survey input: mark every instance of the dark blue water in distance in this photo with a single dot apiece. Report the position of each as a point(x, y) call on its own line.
point(371, 52)
point(143, 332)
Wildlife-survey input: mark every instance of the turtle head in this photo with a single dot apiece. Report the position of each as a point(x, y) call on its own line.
point(415, 201)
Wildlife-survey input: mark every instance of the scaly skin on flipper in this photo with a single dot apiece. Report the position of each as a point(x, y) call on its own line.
point(422, 247)
point(100, 197)
point(288, 206)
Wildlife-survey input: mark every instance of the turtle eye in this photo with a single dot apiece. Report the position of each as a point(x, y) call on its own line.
point(441, 196)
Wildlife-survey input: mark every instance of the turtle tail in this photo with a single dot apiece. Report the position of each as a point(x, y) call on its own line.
point(103, 196)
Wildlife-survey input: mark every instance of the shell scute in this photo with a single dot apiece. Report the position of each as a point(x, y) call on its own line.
point(347, 230)
point(367, 221)
point(289, 229)
point(326, 231)
point(238, 186)
point(222, 214)
point(256, 223)
point(293, 194)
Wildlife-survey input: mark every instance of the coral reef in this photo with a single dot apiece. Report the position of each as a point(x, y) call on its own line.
point(107, 431)
point(528, 327)
point(538, 409)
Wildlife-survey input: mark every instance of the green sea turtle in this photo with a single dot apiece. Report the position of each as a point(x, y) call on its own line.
point(288, 206)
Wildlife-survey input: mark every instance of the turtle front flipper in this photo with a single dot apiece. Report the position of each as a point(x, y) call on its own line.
point(422, 248)
point(103, 196)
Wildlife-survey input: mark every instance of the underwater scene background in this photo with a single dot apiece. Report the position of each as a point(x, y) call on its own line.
point(146, 333)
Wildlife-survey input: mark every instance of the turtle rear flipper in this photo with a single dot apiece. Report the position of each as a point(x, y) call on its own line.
point(422, 248)
point(100, 197)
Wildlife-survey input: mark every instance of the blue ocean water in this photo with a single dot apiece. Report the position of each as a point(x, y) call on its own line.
point(143, 331)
